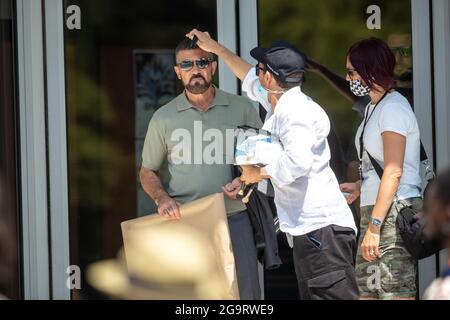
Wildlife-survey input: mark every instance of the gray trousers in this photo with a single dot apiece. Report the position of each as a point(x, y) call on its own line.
point(244, 250)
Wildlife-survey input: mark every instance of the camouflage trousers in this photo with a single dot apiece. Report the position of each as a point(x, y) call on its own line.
point(394, 273)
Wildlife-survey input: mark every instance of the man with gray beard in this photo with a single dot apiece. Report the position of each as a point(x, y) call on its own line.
point(175, 169)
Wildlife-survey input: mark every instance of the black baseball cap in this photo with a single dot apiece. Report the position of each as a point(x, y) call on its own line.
point(282, 59)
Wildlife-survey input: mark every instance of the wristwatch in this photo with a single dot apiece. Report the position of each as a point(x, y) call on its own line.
point(376, 222)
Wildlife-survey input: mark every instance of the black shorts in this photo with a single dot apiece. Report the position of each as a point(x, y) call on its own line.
point(324, 262)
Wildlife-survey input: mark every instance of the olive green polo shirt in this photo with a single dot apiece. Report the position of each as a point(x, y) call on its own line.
point(193, 150)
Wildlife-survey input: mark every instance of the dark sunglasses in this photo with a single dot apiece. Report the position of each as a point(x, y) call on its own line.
point(404, 51)
point(202, 63)
point(258, 69)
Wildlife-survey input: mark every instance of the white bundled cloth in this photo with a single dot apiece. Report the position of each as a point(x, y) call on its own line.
point(258, 149)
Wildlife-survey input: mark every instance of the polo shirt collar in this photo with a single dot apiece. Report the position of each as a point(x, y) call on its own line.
point(220, 99)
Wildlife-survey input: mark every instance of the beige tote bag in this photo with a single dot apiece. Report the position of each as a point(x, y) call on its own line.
point(208, 216)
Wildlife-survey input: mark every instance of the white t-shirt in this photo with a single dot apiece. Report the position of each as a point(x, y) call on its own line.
point(394, 114)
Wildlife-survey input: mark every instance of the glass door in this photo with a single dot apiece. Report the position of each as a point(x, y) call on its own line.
point(324, 31)
point(119, 70)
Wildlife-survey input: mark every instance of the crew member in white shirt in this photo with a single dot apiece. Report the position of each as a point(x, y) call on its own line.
point(309, 202)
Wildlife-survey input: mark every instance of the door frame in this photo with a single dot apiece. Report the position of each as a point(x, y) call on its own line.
point(423, 106)
point(43, 149)
point(57, 148)
point(33, 154)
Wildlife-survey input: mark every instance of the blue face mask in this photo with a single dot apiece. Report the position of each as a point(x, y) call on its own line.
point(263, 93)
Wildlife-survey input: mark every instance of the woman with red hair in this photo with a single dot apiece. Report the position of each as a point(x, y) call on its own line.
point(389, 138)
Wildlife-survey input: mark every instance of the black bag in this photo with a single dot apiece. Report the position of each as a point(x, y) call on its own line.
point(411, 223)
point(260, 213)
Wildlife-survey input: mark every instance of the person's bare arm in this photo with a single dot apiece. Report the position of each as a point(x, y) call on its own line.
point(394, 146)
point(167, 206)
point(336, 81)
point(238, 66)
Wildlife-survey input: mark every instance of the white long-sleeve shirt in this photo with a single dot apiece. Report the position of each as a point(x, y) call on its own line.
point(307, 193)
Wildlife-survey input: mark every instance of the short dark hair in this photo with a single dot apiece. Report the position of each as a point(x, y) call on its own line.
point(186, 44)
point(290, 85)
point(374, 61)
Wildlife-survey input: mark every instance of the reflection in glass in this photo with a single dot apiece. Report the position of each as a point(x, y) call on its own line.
point(9, 234)
point(119, 70)
point(324, 30)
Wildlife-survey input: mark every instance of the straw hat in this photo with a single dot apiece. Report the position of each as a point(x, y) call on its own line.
point(167, 261)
